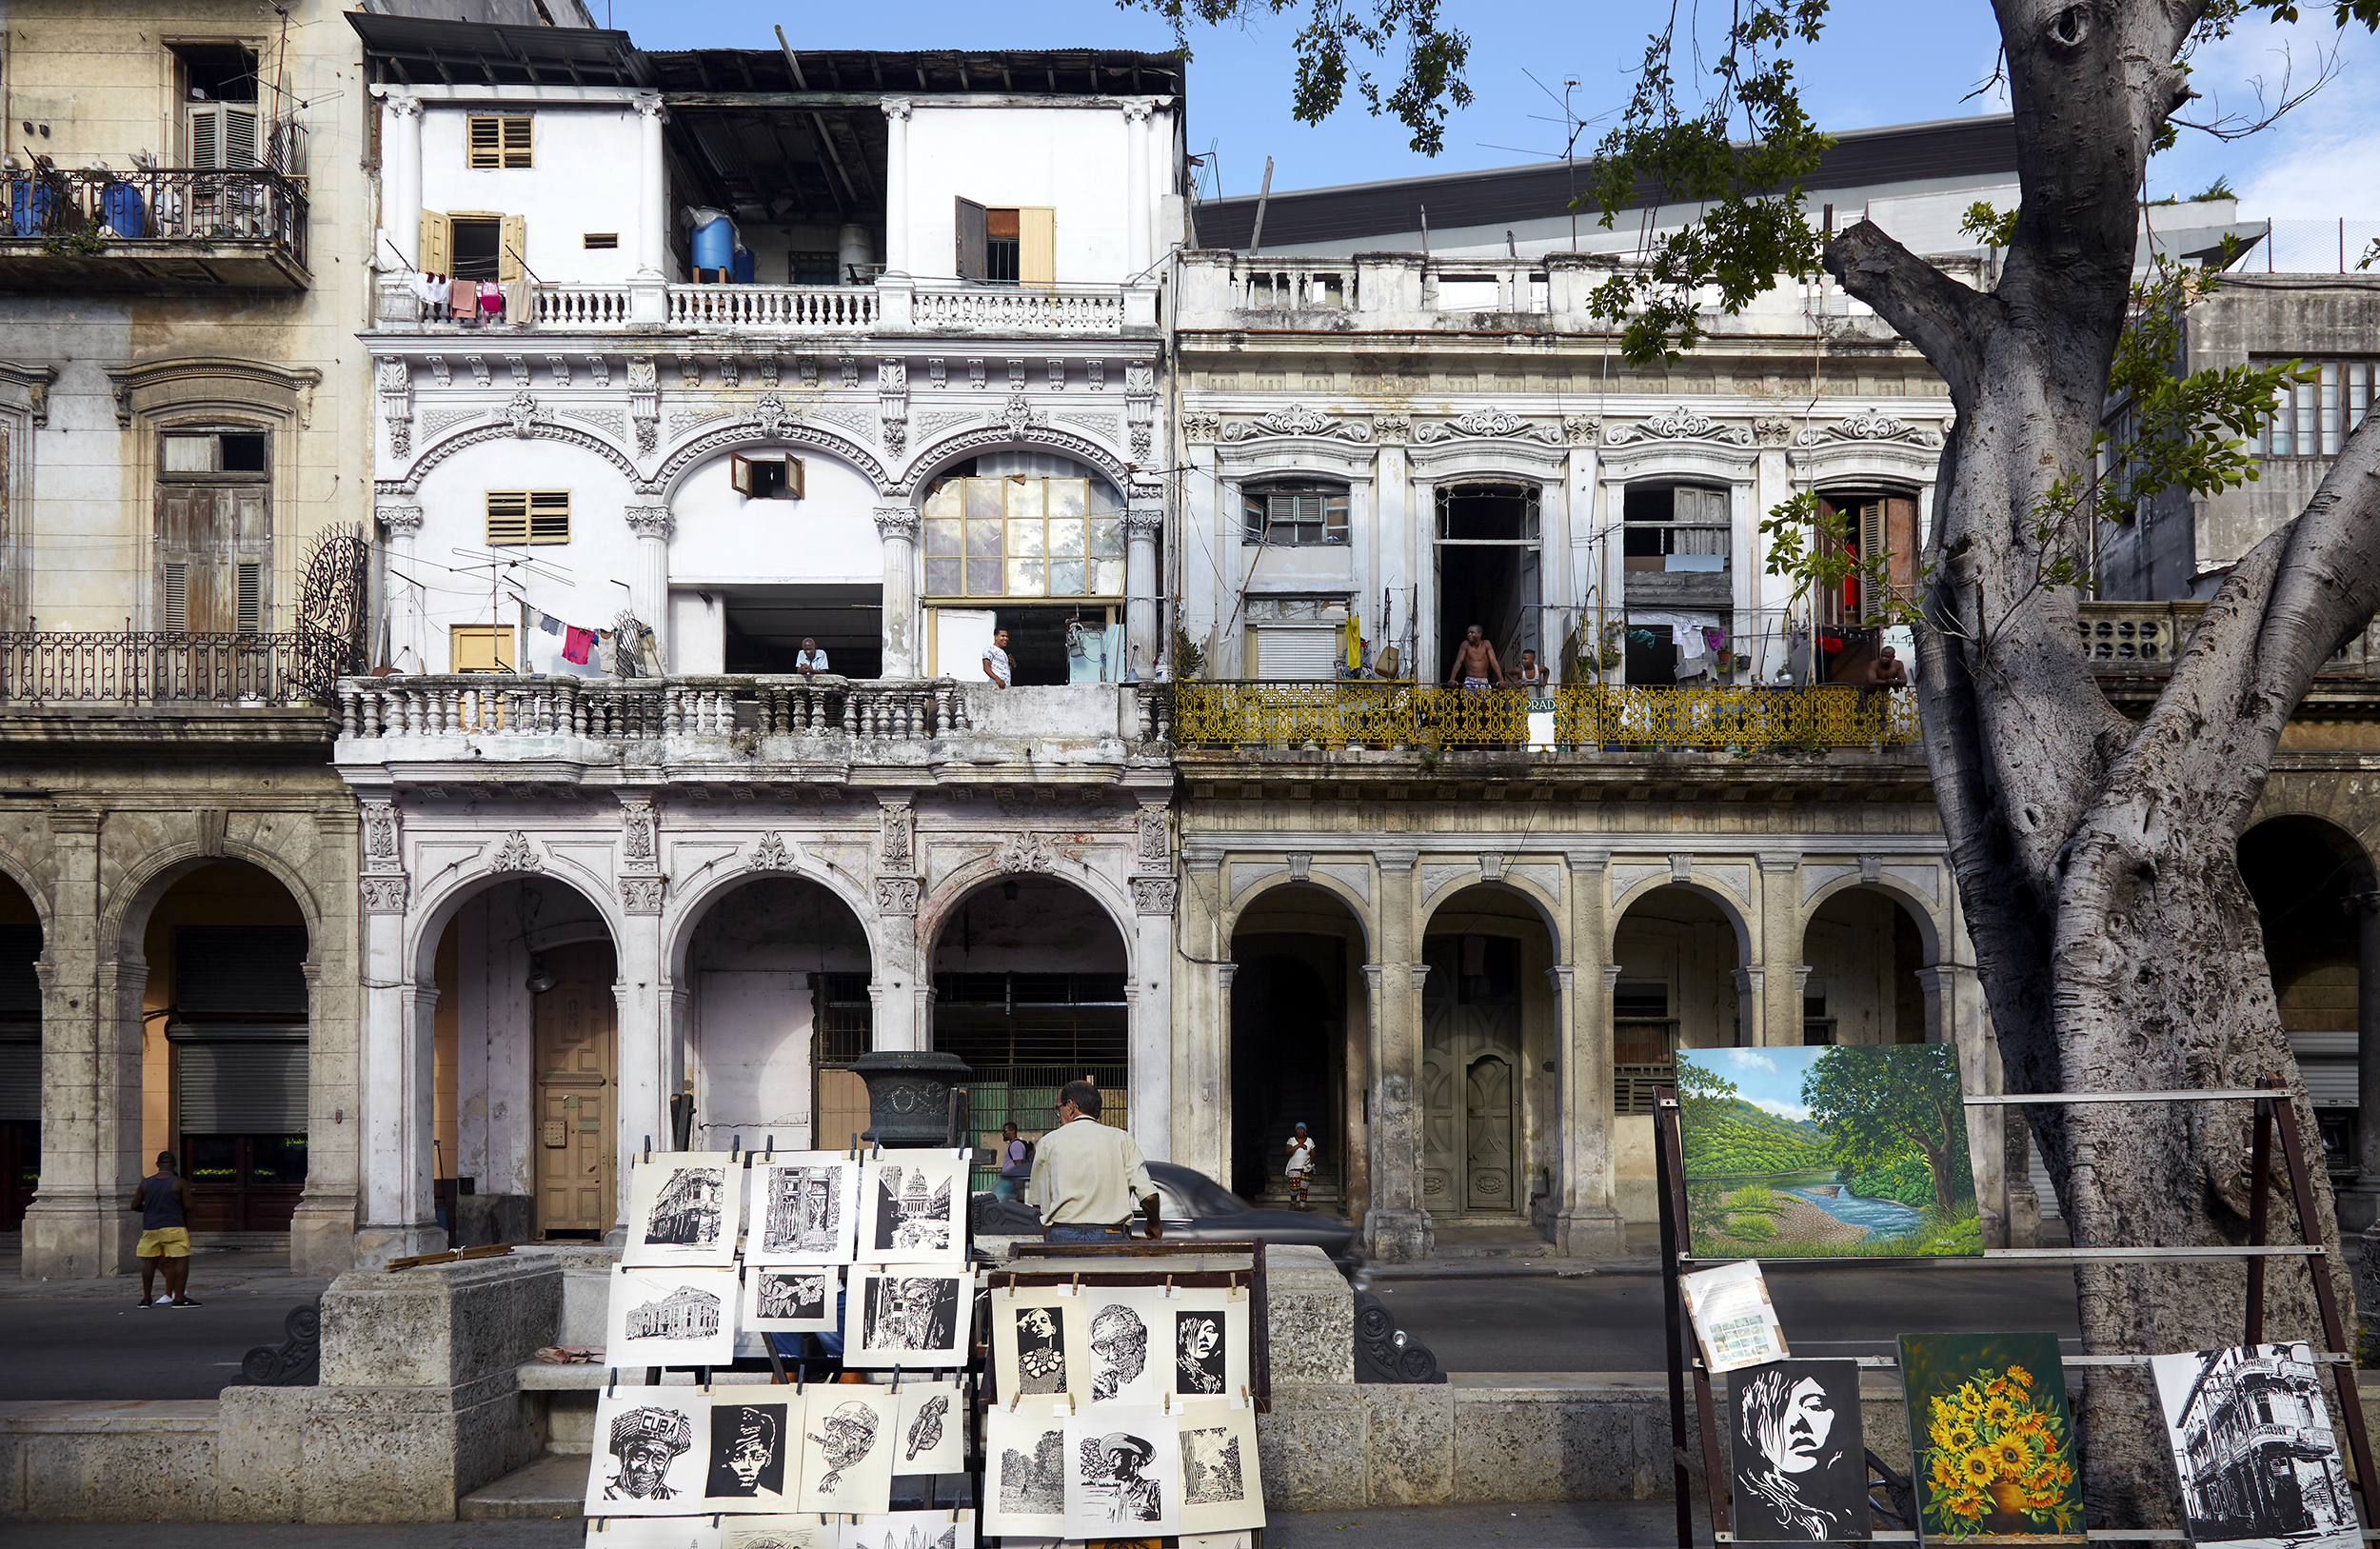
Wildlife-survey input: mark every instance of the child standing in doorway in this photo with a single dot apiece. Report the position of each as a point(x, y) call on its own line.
point(1301, 1166)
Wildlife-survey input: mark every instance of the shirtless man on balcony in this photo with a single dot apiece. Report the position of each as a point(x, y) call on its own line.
point(1476, 667)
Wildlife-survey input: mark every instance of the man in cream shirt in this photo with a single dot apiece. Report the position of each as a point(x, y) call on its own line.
point(1088, 1176)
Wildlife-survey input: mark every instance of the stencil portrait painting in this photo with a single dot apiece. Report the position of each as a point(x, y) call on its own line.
point(1799, 1462)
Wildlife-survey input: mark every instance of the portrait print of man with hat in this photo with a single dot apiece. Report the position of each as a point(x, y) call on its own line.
point(646, 1441)
point(1137, 1500)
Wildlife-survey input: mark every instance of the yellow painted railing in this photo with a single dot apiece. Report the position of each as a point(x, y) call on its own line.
point(1391, 715)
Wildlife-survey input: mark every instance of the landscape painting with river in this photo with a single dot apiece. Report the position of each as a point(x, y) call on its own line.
point(1843, 1151)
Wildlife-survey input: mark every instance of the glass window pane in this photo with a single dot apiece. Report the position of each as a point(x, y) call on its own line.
point(1107, 537)
point(1025, 578)
point(948, 498)
point(1069, 497)
point(942, 578)
point(983, 578)
point(983, 499)
point(278, 1160)
point(983, 539)
point(212, 1158)
point(2329, 386)
point(1065, 578)
point(1026, 538)
point(1065, 537)
point(942, 536)
point(1110, 579)
point(1025, 501)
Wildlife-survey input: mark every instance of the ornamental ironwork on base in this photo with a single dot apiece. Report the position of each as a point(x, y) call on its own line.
point(908, 1095)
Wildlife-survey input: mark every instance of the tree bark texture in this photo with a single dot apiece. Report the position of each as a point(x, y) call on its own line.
point(2096, 858)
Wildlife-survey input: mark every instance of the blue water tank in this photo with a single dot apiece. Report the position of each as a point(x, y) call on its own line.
point(741, 272)
point(714, 239)
point(120, 207)
point(29, 205)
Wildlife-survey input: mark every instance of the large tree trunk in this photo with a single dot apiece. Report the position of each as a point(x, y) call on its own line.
point(2117, 945)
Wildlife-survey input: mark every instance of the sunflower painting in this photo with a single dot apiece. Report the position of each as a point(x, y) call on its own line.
point(1993, 1440)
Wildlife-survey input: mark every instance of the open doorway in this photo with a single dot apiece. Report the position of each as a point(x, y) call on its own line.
point(765, 626)
point(1488, 566)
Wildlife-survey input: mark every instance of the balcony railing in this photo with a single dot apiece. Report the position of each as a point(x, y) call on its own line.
point(819, 308)
point(46, 667)
point(1390, 716)
point(256, 205)
point(894, 303)
point(1021, 309)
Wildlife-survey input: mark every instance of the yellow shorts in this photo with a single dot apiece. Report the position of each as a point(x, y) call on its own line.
point(165, 1243)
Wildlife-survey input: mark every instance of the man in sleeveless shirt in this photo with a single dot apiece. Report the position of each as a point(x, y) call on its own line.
point(163, 1201)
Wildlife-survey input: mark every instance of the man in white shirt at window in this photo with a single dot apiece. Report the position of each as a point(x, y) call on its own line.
point(995, 658)
point(812, 659)
point(1088, 1177)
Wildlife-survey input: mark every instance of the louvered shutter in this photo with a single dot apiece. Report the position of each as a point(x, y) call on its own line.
point(222, 137)
point(1296, 651)
point(436, 244)
point(512, 244)
point(249, 615)
point(177, 619)
point(20, 1080)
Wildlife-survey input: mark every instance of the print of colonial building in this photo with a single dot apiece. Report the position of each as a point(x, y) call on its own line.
point(686, 1209)
point(2257, 1457)
point(688, 1313)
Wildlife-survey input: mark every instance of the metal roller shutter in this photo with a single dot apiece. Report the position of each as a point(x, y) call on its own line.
point(247, 1088)
point(1296, 651)
point(2328, 1063)
point(20, 1082)
point(242, 970)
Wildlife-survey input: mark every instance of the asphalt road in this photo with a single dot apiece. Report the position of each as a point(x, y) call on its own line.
point(85, 1345)
point(1612, 1322)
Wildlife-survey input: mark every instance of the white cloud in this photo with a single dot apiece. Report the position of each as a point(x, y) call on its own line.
point(2315, 163)
point(1755, 1059)
point(1783, 1110)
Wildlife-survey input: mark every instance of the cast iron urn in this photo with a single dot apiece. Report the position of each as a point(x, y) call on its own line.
point(908, 1095)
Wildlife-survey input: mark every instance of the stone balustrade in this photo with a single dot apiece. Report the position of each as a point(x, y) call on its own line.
point(893, 304)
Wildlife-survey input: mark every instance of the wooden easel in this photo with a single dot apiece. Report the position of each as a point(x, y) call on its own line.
point(2268, 1094)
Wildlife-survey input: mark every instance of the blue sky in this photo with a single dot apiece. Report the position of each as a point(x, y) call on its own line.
point(1875, 66)
point(1768, 1079)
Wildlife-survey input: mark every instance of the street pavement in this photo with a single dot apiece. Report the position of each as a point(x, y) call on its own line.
point(90, 1339)
point(1605, 1322)
point(1577, 1525)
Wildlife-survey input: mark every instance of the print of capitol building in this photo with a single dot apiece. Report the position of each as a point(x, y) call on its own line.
point(683, 1313)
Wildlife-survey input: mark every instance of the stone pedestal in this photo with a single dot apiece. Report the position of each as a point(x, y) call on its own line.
point(908, 1095)
point(1594, 1232)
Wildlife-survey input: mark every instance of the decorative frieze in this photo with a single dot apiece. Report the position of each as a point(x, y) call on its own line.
point(515, 854)
point(1296, 419)
point(640, 895)
point(1683, 424)
point(1491, 424)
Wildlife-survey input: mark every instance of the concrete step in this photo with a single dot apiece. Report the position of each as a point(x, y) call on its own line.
point(555, 1486)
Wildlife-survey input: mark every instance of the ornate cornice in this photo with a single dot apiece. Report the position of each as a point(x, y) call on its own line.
point(287, 390)
point(1683, 424)
point(1492, 423)
point(1296, 420)
point(1869, 424)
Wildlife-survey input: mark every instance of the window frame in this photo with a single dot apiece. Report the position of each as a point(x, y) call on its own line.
point(499, 653)
point(501, 154)
point(743, 475)
point(2352, 385)
point(932, 532)
point(555, 507)
point(1332, 521)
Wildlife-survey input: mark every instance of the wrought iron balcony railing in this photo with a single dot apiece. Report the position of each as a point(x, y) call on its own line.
point(178, 205)
point(1394, 716)
point(40, 669)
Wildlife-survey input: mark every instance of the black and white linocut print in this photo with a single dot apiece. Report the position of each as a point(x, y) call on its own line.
point(897, 1316)
point(1040, 1344)
point(749, 1445)
point(684, 1208)
point(2253, 1446)
point(1199, 1353)
point(672, 1318)
point(769, 1533)
point(1125, 1324)
point(1222, 1489)
point(908, 1213)
point(805, 1207)
point(909, 1530)
point(1798, 1462)
point(650, 1447)
point(933, 1423)
point(1124, 1473)
point(667, 1532)
point(791, 1300)
point(847, 1443)
point(1026, 1455)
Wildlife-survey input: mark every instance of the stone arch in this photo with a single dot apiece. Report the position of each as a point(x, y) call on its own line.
point(934, 912)
point(428, 920)
point(123, 918)
point(1357, 907)
point(935, 456)
point(1730, 907)
point(1931, 929)
point(685, 915)
point(23, 876)
point(1548, 911)
point(440, 451)
point(684, 458)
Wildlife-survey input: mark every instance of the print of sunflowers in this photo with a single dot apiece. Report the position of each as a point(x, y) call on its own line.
point(1995, 1460)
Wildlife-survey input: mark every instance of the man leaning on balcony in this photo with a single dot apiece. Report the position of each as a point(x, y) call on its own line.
point(1476, 667)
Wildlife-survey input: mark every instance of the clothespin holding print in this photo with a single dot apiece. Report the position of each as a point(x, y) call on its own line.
point(1076, 1289)
point(1169, 1402)
point(613, 1386)
point(1169, 1287)
point(895, 1377)
point(771, 1152)
point(1013, 1399)
point(1070, 1405)
point(649, 1148)
point(735, 1146)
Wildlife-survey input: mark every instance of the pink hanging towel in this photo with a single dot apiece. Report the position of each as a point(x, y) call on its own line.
point(576, 643)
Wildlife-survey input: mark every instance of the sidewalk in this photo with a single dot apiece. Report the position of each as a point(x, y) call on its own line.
point(1587, 1524)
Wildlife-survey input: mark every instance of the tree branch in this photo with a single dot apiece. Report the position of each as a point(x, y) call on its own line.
point(1949, 323)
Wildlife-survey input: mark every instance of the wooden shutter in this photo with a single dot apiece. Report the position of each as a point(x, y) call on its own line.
point(1900, 537)
point(507, 517)
point(479, 648)
point(223, 136)
point(177, 609)
point(739, 473)
point(974, 230)
point(248, 605)
point(1037, 244)
point(436, 244)
point(512, 243)
point(482, 141)
point(239, 136)
point(206, 138)
point(549, 516)
point(516, 141)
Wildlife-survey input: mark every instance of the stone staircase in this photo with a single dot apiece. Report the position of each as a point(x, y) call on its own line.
point(1305, 1102)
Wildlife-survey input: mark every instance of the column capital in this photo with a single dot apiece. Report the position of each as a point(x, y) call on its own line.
point(1802, 975)
point(898, 109)
point(1778, 861)
point(897, 522)
point(650, 106)
point(399, 520)
point(1142, 524)
point(1750, 980)
point(1224, 974)
point(407, 106)
point(1202, 857)
point(1611, 977)
point(1588, 859)
point(1396, 859)
point(650, 521)
point(1559, 976)
point(1137, 110)
point(1420, 975)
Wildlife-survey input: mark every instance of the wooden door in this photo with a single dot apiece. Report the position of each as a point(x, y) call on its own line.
point(1441, 1117)
point(1488, 1135)
point(576, 1092)
point(214, 548)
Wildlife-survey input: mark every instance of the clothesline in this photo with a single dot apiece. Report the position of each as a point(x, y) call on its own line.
point(640, 659)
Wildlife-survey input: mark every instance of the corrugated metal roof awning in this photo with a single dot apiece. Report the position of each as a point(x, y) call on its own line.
point(420, 51)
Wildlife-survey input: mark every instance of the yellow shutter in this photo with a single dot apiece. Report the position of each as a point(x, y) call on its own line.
point(507, 517)
point(1037, 244)
point(549, 516)
point(516, 142)
point(482, 141)
point(479, 648)
point(512, 243)
point(437, 245)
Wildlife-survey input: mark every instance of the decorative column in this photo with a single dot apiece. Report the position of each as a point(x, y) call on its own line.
point(651, 1051)
point(322, 1228)
point(1396, 1228)
point(1202, 1053)
point(399, 1212)
point(901, 1022)
point(1586, 1223)
point(1150, 997)
point(897, 253)
point(648, 589)
point(1779, 946)
point(400, 184)
point(898, 527)
point(1141, 525)
point(652, 205)
point(1751, 1006)
point(77, 1226)
point(1138, 218)
point(408, 615)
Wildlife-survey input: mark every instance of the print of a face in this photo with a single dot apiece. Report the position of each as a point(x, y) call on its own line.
point(1123, 1464)
point(1036, 1323)
point(1809, 1418)
point(1121, 1342)
point(642, 1466)
point(1199, 1336)
point(850, 1432)
point(754, 1445)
